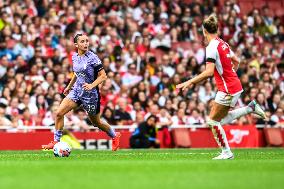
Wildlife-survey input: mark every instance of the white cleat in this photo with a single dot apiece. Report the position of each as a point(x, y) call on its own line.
point(257, 109)
point(224, 156)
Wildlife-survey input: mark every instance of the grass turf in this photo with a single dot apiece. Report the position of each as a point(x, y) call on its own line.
point(165, 169)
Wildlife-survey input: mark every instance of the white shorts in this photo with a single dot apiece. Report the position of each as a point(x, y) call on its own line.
point(227, 99)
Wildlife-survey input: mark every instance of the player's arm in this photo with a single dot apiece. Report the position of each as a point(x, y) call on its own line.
point(236, 62)
point(73, 80)
point(102, 76)
point(70, 85)
point(211, 57)
point(208, 72)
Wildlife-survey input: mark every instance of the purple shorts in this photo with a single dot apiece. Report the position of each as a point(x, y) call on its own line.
point(90, 100)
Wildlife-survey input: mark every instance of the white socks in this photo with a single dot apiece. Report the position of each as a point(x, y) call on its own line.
point(235, 114)
point(219, 135)
point(218, 131)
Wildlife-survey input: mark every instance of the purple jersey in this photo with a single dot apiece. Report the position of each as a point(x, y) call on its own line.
point(86, 69)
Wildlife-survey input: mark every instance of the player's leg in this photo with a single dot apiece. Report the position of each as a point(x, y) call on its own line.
point(252, 107)
point(217, 113)
point(104, 126)
point(219, 110)
point(65, 106)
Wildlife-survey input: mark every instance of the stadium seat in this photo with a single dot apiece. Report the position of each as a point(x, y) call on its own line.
point(181, 138)
point(221, 2)
point(183, 45)
point(187, 2)
point(259, 4)
point(158, 54)
point(273, 136)
point(274, 4)
point(246, 7)
point(279, 12)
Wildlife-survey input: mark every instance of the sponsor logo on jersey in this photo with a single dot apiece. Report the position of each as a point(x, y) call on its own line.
point(80, 74)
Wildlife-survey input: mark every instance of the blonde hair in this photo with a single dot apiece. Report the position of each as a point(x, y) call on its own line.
point(210, 24)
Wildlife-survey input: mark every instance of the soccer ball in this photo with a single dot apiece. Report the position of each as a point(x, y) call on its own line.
point(61, 149)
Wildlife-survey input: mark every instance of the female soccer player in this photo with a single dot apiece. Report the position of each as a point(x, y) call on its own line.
point(222, 63)
point(83, 90)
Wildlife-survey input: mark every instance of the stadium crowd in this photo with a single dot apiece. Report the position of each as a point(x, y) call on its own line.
point(147, 47)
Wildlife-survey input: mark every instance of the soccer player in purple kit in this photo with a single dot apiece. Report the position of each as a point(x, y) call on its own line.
point(83, 90)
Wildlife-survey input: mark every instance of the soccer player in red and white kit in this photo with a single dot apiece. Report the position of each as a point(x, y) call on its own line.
point(222, 63)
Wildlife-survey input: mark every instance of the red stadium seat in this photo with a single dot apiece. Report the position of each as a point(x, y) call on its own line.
point(181, 138)
point(221, 2)
point(274, 4)
point(187, 2)
point(240, 1)
point(259, 4)
point(246, 7)
point(158, 54)
point(279, 12)
point(273, 136)
point(183, 45)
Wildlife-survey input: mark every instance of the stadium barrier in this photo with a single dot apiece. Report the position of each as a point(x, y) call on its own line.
point(194, 136)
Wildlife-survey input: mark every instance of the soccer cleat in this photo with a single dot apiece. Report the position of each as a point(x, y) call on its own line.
point(257, 109)
point(115, 141)
point(223, 156)
point(49, 146)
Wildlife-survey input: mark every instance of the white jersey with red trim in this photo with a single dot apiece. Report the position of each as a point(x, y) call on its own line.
point(227, 80)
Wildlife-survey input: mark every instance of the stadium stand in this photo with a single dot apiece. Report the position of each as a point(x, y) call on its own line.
point(36, 49)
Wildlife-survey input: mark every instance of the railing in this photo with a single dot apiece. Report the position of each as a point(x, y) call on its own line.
point(118, 127)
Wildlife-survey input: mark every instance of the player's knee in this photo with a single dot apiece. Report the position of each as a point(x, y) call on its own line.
point(215, 117)
point(212, 117)
point(59, 114)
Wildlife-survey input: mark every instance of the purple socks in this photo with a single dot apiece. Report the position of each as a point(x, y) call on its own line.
point(57, 135)
point(111, 133)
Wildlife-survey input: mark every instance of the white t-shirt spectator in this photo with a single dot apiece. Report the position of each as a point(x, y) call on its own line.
point(130, 80)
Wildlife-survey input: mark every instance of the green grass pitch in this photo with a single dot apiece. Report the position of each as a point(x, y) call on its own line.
point(125, 169)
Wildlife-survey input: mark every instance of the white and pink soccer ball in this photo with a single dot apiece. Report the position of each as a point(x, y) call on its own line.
point(61, 149)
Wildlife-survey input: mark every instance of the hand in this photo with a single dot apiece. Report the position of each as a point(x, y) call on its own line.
point(184, 85)
point(66, 91)
point(157, 141)
point(87, 86)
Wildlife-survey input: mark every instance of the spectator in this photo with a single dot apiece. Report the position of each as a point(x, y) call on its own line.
point(161, 41)
point(131, 78)
point(4, 121)
point(145, 136)
point(165, 83)
point(180, 118)
point(195, 118)
point(80, 121)
point(164, 118)
point(108, 115)
point(121, 116)
point(24, 49)
point(27, 119)
point(278, 117)
point(36, 51)
point(273, 105)
point(49, 119)
point(206, 93)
